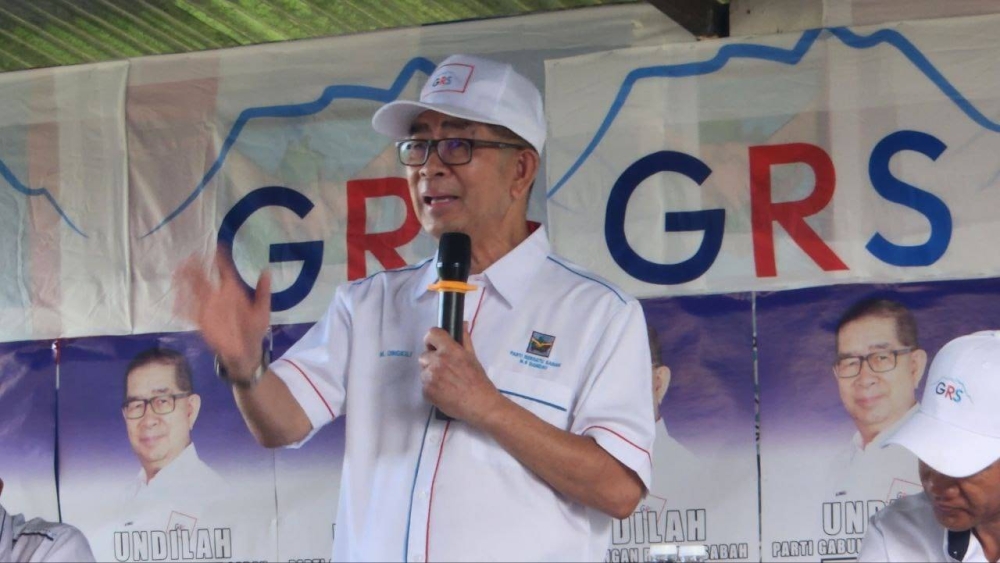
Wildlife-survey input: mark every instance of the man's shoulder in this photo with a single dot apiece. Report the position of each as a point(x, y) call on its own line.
point(391, 278)
point(53, 541)
point(911, 511)
point(568, 274)
point(44, 528)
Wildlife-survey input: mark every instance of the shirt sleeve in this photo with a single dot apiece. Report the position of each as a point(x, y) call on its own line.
point(315, 367)
point(616, 404)
point(873, 545)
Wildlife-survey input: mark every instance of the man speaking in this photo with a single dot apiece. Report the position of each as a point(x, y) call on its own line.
point(549, 422)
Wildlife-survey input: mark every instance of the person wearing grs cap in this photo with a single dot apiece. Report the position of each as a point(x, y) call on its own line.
point(956, 436)
point(550, 425)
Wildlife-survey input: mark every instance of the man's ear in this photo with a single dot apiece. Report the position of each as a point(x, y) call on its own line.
point(919, 363)
point(525, 169)
point(193, 408)
point(661, 373)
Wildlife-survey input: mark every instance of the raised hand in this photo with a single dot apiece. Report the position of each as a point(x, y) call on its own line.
point(232, 322)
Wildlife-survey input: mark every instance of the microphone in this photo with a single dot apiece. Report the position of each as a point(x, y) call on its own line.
point(454, 259)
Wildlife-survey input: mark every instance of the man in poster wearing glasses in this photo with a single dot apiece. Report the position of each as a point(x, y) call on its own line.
point(878, 366)
point(160, 407)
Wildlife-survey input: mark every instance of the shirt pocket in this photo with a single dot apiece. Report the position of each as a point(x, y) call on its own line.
point(549, 400)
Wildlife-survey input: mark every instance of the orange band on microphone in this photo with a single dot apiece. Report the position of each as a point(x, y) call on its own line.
point(456, 286)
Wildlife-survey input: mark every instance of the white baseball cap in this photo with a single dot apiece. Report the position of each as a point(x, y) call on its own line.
point(476, 89)
point(956, 430)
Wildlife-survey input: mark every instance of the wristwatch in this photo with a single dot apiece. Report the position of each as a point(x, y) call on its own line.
point(258, 374)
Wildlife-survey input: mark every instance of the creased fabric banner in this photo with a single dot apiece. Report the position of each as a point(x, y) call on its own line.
point(827, 156)
point(183, 479)
point(63, 203)
point(269, 149)
point(28, 429)
point(704, 457)
point(823, 472)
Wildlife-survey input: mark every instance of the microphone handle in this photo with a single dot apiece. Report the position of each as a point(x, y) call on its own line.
point(451, 313)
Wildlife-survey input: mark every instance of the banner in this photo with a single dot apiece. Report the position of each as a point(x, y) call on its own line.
point(823, 472)
point(829, 156)
point(63, 203)
point(704, 458)
point(28, 429)
point(156, 463)
point(270, 150)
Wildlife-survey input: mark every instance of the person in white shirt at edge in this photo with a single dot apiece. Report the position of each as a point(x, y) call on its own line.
point(39, 540)
point(878, 366)
point(955, 434)
point(174, 487)
point(549, 393)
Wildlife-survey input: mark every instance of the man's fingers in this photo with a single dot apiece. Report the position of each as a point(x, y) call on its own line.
point(262, 295)
point(225, 265)
point(436, 338)
point(467, 338)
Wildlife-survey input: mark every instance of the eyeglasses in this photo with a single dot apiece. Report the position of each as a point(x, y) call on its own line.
point(415, 152)
point(161, 404)
point(879, 362)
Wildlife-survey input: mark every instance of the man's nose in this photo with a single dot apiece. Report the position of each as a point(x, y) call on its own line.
point(937, 484)
point(434, 165)
point(866, 376)
point(149, 417)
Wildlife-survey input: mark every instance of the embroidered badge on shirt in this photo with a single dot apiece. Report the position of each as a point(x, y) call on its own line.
point(541, 344)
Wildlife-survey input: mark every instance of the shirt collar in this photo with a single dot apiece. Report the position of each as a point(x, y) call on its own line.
point(509, 274)
point(187, 458)
point(879, 440)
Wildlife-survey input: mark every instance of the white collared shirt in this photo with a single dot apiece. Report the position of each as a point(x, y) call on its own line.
point(872, 472)
point(178, 496)
point(563, 344)
point(38, 540)
point(908, 531)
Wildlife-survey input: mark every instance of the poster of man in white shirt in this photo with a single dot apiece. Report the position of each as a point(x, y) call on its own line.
point(174, 489)
point(704, 489)
point(155, 464)
point(840, 367)
point(878, 367)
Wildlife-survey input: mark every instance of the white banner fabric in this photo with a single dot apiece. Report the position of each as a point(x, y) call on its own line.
point(829, 156)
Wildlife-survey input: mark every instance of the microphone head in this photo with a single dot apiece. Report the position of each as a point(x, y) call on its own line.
point(454, 257)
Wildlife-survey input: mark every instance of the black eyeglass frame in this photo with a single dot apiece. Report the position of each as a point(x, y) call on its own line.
point(435, 145)
point(868, 359)
point(148, 403)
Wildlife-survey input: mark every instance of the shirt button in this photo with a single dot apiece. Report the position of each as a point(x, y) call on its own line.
point(434, 438)
point(422, 495)
point(418, 558)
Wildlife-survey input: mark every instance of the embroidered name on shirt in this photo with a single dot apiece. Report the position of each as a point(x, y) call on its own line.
point(533, 362)
point(395, 354)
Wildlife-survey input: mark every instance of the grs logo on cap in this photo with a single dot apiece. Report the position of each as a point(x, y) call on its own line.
point(952, 390)
point(450, 78)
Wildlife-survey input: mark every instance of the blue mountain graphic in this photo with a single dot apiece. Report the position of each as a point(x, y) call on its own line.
point(779, 55)
point(30, 192)
point(331, 93)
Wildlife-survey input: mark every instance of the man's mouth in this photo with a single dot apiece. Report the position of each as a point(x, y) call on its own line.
point(869, 400)
point(438, 200)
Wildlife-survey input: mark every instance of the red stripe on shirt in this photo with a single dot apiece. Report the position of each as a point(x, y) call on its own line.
point(311, 384)
point(430, 501)
point(629, 442)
